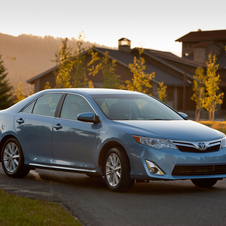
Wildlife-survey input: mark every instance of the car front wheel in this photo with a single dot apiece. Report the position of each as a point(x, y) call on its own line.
point(12, 159)
point(117, 170)
point(204, 183)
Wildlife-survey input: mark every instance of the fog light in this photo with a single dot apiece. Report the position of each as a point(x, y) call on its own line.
point(153, 169)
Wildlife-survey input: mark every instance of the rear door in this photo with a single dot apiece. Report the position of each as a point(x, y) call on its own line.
point(34, 127)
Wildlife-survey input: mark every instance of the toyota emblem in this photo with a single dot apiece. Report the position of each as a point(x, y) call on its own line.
point(202, 146)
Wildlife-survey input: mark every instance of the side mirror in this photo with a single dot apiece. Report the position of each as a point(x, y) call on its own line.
point(88, 117)
point(183, 115)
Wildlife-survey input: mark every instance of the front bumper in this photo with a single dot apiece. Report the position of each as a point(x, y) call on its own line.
point(175, 164)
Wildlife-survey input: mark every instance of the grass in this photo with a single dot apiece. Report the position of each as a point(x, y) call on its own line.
point(219, 125)
point(20, 211)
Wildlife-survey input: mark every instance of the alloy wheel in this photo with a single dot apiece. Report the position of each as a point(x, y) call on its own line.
point(113, 170)
point(11, 157)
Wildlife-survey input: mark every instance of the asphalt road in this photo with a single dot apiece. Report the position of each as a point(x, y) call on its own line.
point(156, 203)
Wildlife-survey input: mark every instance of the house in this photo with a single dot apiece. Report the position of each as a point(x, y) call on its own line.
point(176, 72)
point(197, 45)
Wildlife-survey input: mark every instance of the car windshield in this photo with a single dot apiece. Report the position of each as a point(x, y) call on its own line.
point(134, 107)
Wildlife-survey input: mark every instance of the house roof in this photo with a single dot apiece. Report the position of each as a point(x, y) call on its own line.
point(124, 39)
point(126, 58)
point(31, 80)
point(170, 56)
point(200, 36)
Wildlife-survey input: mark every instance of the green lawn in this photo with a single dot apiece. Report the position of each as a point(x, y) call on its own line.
point(19, 211)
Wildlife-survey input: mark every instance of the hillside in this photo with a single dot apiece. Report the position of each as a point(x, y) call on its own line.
point(33, 55)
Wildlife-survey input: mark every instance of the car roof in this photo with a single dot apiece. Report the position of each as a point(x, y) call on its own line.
point(94, 91)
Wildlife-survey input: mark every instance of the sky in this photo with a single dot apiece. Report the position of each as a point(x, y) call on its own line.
point(154, 24)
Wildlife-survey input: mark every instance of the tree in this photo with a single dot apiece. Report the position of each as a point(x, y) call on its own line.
point(110, 79)
point(47, 86)
point(213, 97)
point(79, 77)
point(92, 68)
point(162, 92)
point(5, 88)
point(20, 95)
point(71, 70)
point(64, 61)
point(199, 91)
point(141, 80)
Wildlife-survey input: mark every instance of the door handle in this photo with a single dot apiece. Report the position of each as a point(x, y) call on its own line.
point(20, 120)
point(58, 126)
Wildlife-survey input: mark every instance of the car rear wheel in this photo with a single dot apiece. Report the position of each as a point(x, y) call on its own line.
point(204, 183)
point(13, 160)
point(117, 170)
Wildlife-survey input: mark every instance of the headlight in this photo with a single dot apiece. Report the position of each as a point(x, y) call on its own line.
point(223, 142)
point(155, 143)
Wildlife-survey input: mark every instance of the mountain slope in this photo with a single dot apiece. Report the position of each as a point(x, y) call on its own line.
point(33, 55)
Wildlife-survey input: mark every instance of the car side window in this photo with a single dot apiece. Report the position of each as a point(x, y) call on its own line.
point(29, 108)
point(46, 104)
point(73, 106)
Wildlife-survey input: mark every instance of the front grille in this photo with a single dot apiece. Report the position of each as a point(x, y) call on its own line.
point(193, 149)
point(199, 170)
point(198, 147)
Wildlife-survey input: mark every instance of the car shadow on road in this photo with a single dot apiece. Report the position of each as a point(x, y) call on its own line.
point(48, 178)
point(151, 188)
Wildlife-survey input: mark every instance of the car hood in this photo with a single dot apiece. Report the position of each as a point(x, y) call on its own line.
point(172, 129)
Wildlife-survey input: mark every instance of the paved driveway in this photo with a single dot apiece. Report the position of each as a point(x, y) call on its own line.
point(156, 203)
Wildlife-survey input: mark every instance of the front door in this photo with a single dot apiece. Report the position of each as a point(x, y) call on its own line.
point(74, 142)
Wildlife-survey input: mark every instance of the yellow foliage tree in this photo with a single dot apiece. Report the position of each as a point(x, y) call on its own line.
point(19, 93)
point(199, 91)
point(141, 80)
point(161, 90)
point(79, 77)
point(65, 64)
point(47, 86)
point(213, 97)
point(111, 79)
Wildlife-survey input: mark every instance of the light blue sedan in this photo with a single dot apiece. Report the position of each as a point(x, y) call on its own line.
point(120, 135)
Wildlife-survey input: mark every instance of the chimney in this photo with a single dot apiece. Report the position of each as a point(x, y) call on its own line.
point(124, 45)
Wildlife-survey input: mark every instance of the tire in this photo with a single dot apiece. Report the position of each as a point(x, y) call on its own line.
point(13, 159)
point(117, 170)
point(204, 183)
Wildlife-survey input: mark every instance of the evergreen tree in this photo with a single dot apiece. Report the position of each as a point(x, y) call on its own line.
point(5, 88)
point(141, 80)
point(199, 91)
